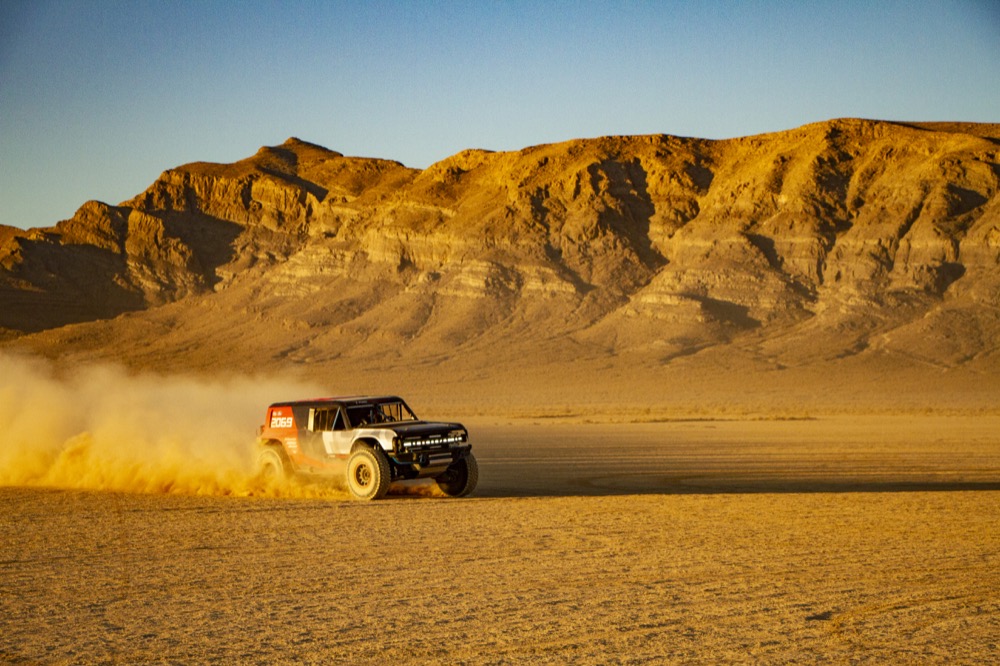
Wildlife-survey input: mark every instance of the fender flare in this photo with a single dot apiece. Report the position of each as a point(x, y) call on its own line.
point(366, 442)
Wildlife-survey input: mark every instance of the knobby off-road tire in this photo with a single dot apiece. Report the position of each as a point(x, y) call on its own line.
point(271, 465)
point(368, 474)
point(460, 478)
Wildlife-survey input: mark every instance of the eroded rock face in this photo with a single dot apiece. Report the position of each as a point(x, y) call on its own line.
point(620, 242)
point(189, 233)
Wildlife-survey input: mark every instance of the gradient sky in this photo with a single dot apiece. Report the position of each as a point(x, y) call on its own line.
point(97, 98)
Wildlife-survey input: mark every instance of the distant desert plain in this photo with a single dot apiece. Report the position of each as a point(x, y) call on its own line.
point(732, 401)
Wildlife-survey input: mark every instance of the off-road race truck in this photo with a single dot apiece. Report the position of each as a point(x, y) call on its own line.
point(372, 440)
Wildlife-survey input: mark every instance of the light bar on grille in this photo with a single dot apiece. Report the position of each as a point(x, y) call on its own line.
point(434, 441)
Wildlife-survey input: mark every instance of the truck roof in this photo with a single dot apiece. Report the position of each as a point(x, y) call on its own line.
point(347, 400)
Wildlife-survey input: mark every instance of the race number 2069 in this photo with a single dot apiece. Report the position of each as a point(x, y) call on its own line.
point(281, 421)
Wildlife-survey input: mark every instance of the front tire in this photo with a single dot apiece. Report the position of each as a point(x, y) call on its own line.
point(368, 474)
point(461, 477)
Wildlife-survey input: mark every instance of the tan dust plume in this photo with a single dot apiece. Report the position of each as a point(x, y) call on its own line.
point(101, 428)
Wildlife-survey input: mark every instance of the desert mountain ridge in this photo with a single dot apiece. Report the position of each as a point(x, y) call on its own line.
point(615, 266)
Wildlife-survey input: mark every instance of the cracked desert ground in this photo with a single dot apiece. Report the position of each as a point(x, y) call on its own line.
point(831, 539)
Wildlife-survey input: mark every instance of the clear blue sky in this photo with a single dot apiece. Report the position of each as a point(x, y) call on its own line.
point(98, 97)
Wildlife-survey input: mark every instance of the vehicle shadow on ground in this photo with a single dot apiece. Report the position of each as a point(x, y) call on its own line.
point(497, 488)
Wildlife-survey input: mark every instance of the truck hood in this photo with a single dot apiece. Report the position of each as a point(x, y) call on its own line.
point(417, 429)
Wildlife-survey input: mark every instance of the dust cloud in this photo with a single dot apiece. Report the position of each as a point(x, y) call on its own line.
point(103, 428)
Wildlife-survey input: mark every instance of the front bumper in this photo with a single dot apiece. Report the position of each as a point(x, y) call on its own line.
point(429, 457)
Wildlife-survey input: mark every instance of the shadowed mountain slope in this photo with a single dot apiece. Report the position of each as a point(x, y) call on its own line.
point(807, 246)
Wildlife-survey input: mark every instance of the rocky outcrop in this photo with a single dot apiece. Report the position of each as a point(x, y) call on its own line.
point(190, 232)
point(858, 229)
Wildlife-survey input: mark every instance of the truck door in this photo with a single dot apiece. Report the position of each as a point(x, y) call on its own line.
point(329, 424)
point(326, 432)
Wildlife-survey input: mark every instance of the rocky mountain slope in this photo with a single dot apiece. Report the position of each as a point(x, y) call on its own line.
point(820, 243)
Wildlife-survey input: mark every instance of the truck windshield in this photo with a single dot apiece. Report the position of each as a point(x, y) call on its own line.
point(379, 412)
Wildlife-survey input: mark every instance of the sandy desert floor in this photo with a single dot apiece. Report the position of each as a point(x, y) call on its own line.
point(830, 540)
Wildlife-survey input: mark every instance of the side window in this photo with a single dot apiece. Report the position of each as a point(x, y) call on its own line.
point(360, 415)
point(325, 419)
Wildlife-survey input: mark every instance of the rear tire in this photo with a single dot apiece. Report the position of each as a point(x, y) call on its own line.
point(271, 465)
point(368, 474)
point(461, 477)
